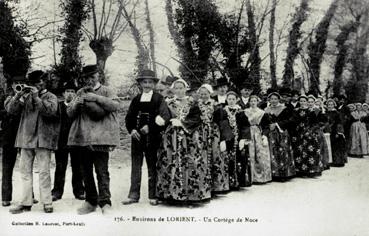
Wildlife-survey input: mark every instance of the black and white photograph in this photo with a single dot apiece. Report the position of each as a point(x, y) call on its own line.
point(184, 117)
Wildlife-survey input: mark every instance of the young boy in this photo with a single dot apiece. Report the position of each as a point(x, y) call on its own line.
point(61, 155)
point(37, 137)
point(146, 118)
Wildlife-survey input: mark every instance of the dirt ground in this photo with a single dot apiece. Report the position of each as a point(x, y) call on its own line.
point(335, 204)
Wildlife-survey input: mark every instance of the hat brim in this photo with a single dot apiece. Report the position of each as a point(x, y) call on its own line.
point(84, 75)
point(147, 77)
point(219, 85)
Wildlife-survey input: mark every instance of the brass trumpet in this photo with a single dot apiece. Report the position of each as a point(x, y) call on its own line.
point(23, 88)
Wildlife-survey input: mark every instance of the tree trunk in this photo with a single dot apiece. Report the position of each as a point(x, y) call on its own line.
point(14, 49)
point(360, 61)
point(317, 48)
point(152, 36)
point(254, 74)
point(341, 58)
point(293, 47)
point(75, 13)
point(103, 48)
point(273, 75)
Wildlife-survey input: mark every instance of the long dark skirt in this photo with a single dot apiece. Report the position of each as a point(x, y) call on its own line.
point(283, 165)
point(339, 151)
point(183, 167)
point(306, 151)
point(244, 167)
point(232, 165)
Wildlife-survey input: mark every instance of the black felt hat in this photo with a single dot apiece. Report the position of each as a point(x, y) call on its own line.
point(147, 74)
point(35, 76)
point(285, 91)
point(89, 70)
point(221, 82)
point(18, 78)
point(69, 85)
point(169, 80)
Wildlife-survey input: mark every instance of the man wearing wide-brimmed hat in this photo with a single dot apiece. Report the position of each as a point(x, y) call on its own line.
point(37, 137)
point(93, 134)
point(245, 91)
point(164, 86)
point(146, 118)
point(222, 87)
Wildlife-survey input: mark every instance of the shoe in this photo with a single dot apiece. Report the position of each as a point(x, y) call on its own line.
point(35, 201)
point(80, 197)
point(20, 209)
point(48, 208)
point(153, 202)
point(106, 209)
point(55, 198)
point(130, 201)
point(86, 208)
point(6, 203)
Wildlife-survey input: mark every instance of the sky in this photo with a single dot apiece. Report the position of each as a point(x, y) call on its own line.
point(120, 65)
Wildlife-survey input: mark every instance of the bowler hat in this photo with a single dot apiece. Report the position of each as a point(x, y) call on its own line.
point(247, 85)
point(69, 85)
point(89, 70)
point(169, 80)
point(35, 76)
point(285, 91)
point(221, 82)
point(18, 78)
point(147, 74)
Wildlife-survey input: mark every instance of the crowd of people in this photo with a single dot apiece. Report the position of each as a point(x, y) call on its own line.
point(82, 124)
point(213, 140)
point(197, 143)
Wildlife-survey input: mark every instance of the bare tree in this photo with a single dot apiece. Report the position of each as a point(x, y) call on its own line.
point(357, 88)
point(108, 25)
point(293, 44)
point(342, 54)
point(317, 48)
point(143, 54)
point(151, 34)
point(273, 66)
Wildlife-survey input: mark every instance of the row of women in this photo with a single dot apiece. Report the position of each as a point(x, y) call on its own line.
point(212, 148)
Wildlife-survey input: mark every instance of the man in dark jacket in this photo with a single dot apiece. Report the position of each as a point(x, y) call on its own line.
point(146, 118)
point(61, 155)
point(245, 91)
point(222, 87)
point(9, 127)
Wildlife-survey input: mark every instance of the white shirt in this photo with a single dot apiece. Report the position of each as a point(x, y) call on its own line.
point(146, 97)
point(222, 98)
point(294, 104)
point(245, 100)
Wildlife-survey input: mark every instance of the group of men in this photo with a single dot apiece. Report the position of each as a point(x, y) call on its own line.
point(82, 124)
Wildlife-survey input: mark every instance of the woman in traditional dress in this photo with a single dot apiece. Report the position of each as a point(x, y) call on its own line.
point(305, 143)
point(322, 119)
point(358, 133)
point(183, 169)
point(226, 120)
point(337, 137)
point(253, 125)
point(366, 110)
point(211, 137)
point(283, 166)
